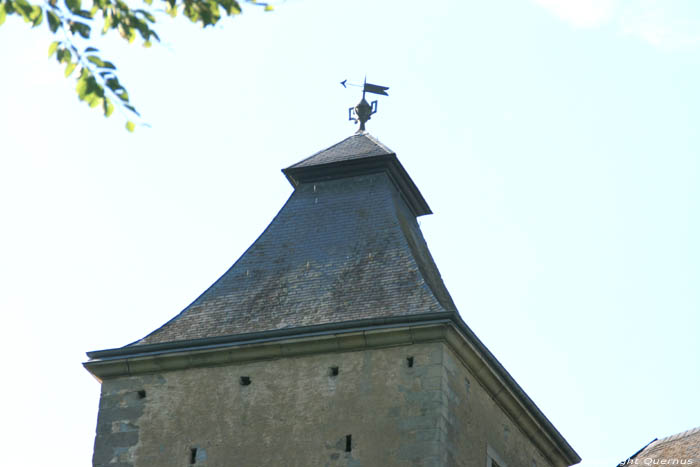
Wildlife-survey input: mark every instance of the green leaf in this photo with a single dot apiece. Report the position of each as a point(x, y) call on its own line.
point(84, 14)
point(24, 4)
point(131, 107)
point(147, 44)
point(269, 8)
point(113, 84)
point(107, 25)
point(65, 56)
point(81, 28)
point(73, 5)
point(94, 101)
point(36, 16)
point(24, 9)
point(3, 13)
point(53, 47)
point(146, 15)
point(97, 61)
point(80, 88)
point(122, 94)
point(192, 11)
point(54, 21)
point(91, 49)
point(108, 107)
point(130, 126)
point(69, 69)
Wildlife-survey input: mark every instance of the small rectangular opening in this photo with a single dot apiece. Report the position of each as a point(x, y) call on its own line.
point(193, 456)
point(348, 443)
point(141, 393)
point(334, 371)
point(245, 380)
point(409, 361)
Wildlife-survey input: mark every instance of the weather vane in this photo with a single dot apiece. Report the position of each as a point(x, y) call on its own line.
point(364, 110)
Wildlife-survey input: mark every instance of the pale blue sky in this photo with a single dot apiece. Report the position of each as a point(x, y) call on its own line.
point(556, 141)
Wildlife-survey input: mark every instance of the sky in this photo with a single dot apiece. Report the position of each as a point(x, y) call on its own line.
point(555, 140)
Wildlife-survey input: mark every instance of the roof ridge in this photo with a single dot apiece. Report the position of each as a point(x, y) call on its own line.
point(323, 150)
point(377, 142)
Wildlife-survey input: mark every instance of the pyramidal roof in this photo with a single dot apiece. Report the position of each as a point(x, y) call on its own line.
point(358, 146)
point(345, 248)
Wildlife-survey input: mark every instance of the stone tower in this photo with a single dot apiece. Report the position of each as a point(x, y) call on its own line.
point(331, 342)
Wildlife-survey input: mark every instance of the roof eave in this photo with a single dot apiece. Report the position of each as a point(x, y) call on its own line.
point(262, 336)
point(388, 163)
point(564, 450)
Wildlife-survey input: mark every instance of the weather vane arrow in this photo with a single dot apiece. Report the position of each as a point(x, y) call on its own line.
point(367, 87)
point(363, 111)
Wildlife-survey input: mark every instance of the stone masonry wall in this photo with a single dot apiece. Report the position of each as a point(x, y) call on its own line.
point(475, 421)
point(295, 412)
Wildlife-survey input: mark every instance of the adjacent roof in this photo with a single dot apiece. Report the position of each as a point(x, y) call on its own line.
point(346, 246)
point(677, 449)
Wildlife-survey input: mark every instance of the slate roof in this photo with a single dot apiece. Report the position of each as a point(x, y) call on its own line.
point(359, 154)
point(358, 146)
point(346, 246)
point(677, 449)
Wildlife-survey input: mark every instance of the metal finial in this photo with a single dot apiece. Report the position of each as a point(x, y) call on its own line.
point(363, 111)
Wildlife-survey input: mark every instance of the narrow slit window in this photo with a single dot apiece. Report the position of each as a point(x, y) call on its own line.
point(334, 371)
point(493, 459)
point(141, 393)
point(245, 381)
point(409, 362)
point(348, 443)
point(193, 456)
